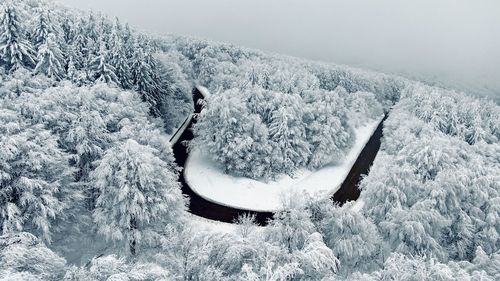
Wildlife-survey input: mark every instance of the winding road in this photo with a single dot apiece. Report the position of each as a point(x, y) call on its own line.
point(201, 207)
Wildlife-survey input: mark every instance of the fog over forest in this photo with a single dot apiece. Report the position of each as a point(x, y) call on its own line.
point(453, 43)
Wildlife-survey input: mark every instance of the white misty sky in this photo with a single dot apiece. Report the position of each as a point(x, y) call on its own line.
point(451, 41)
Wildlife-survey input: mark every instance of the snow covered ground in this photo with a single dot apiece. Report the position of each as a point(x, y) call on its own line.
point(209, 181)
point(213, 226)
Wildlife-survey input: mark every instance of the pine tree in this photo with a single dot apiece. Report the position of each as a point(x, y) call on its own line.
point(50, 58)
point(71, 71)
point(139, 195)
point(15, 50)
point(68, 29)
point(92, 31)
point(143, 78)
point(100, 68)
point(42, 29)
point(81, 51)
point(105, 29)
point(119, 58)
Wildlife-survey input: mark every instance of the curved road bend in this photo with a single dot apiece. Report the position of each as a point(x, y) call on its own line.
point(213, 211)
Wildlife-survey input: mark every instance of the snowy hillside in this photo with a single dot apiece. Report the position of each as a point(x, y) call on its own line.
point(91, 189)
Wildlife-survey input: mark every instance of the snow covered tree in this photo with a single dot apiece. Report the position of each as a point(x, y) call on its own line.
point(15, 50)
point(72, 72)
point(291, 226)
point(316, 259)
point(119, 59)
point(33, 170)
point(291, 79)
point(111, 267)
point(353, 238)
point(143, 78)
point(139, 195)
point(80, 45)
point(175, 99)
point(287, 133)
point(234, 137)
point(87, 138)
point(50, 58)
point(362, 107)
point(102, 70)
point(68, 29)
point(328, 130)
point(42, 29)
point(25, 257)
point(401, 267)
point(202, 254)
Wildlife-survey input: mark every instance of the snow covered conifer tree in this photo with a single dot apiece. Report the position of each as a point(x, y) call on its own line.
point(42, 29)
point(102, 71)
point(142, 77)
point(68, 29)
point(50, 58)
point(119, 58)
point(139, 194)
point(15, 50)
point(71, 71)
point(79, 44)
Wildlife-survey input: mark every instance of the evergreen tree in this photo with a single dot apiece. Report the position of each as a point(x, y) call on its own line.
point(15, 50)
point(50, 58)
point(68, 29)
point(143, 78)
point(139, 195)
point(119, 58)
point(81, 51)
point(92, 31)
point(71, 71)
point(42, 29)
point(101, 70)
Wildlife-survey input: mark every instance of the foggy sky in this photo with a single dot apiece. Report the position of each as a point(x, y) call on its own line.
point(454, 42)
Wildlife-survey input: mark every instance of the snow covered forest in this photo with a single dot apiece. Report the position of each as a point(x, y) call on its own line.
point(89, 185)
